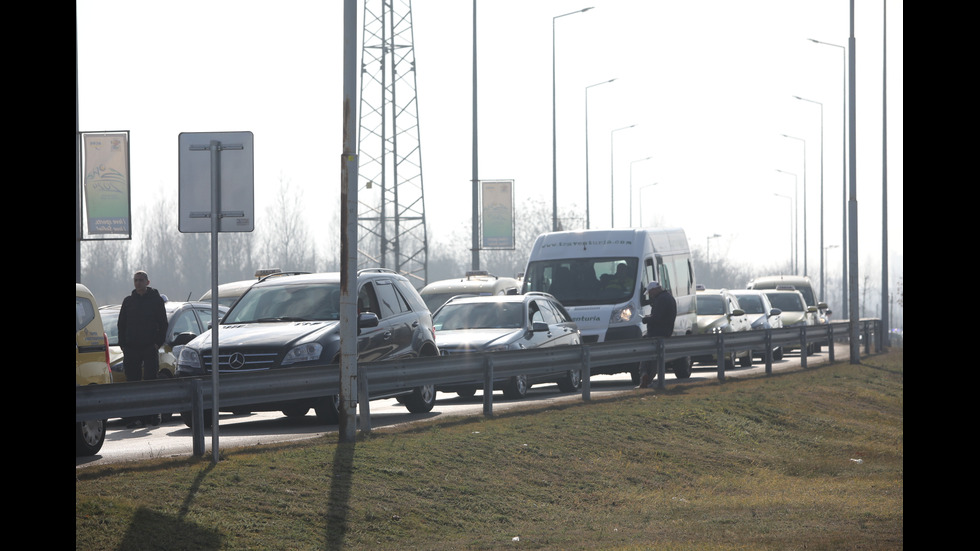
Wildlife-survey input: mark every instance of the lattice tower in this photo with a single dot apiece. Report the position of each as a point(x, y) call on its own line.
point(391, 209)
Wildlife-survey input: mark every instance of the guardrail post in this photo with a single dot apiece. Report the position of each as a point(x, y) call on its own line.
point(867, 338)
point(363, 403)
point(768, 355)
point(488, 386)
point(721, 356)
point(804, 349)
point(197, 417)
point(586, 374)
point(830, 342)
point(661, 364)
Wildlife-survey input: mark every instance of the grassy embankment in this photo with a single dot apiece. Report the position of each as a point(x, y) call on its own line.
point(810, 459)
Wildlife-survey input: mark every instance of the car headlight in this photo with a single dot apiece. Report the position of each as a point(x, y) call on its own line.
point(188, 359)
point(303, 353)
point(622, 314)
point(498, 347)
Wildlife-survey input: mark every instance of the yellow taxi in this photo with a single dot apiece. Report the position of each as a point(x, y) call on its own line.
point(91, 366)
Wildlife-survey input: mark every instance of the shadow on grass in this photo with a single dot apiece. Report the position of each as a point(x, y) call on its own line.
point(338, 504)
point(154, 530)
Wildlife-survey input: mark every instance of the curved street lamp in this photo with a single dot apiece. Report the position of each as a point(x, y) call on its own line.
point(587, 220)
point(631, 185)
point(612, 181)
point(554, 126)
point(796, 261)
point(821, 192)
point(804, 198)
point(843, 180)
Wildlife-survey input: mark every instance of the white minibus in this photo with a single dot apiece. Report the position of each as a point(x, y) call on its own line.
point(600, 275)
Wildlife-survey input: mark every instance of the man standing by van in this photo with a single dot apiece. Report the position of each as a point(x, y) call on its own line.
point(142, 330)
point(660, 323)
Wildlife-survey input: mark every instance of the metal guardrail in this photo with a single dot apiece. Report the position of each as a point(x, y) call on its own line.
point(387, 377)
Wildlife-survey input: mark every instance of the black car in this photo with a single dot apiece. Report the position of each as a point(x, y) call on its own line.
point(292, 321)
point(506, 322)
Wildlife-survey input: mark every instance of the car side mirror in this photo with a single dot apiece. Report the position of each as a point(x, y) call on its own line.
point(811, 309)
point(822, 305)
point(367, 319)
point(183, 338)
point(738, 312)
point(538, 326)
point(775, 312)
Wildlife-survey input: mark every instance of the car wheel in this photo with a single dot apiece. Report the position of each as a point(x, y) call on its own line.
point(745, 361)
point(516, 388)
point(296, 411)
point(327, 409)
point(186, 417)
point(778, 353)
point(466, 393)
point(421, 400)
point(682, 368)
point(89, 437)
point(570, 382)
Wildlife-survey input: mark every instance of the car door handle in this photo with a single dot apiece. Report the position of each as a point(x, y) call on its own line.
point(387, 335)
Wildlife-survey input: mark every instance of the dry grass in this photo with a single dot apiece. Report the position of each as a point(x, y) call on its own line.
point(810, 459)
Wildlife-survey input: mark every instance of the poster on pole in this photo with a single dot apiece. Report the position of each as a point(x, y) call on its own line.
point(497, 214)
point(106, 185)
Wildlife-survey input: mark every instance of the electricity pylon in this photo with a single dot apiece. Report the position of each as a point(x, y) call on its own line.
point(391, 210)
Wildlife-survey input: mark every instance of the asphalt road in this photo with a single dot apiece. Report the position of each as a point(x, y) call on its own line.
point(174, 439)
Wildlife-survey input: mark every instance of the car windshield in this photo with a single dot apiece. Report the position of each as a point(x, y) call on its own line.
point(751, 304)
point(582, 281)
point(487, 315)
point(786, 301)
point(434, 300)
point(110, 322)
point(307, 302)
point(710, 305)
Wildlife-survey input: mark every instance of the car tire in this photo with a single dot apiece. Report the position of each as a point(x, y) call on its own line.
point(466, 393)
point(296, 411)
point(745, 361)
point(421, 400)
point(778, 354)
point(570, 382)
point(682, 368)
point(89, 437)
point(186, 417)
point(516, 388)
point(327, 409)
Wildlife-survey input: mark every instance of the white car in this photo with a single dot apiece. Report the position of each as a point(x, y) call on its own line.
point(719, 312)
point(761, 314)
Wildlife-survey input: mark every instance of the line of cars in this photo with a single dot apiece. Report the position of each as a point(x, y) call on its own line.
point(767, 302)
point(294, 320)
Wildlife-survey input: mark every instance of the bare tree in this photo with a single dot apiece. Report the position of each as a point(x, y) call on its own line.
point(285, 239)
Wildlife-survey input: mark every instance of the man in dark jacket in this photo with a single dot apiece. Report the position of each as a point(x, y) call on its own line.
point(142, 330)
point(660, 322)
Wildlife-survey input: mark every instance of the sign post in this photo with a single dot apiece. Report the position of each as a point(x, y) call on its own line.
point(216, 194)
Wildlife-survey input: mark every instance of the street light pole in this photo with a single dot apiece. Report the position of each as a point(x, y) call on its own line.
point(791, 206)
point(821, 193)
point(612, 180)
point(631, 185)
point(707, 253)
point(796, 261)
point(804, 199)
point(587, 220)
point(639, 194)
point(843, 247)
point(554, 126)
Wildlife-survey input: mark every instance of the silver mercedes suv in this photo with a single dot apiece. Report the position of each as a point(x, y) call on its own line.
point(291, 321)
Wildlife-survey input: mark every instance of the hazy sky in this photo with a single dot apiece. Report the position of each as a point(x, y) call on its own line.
point(709, 84)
